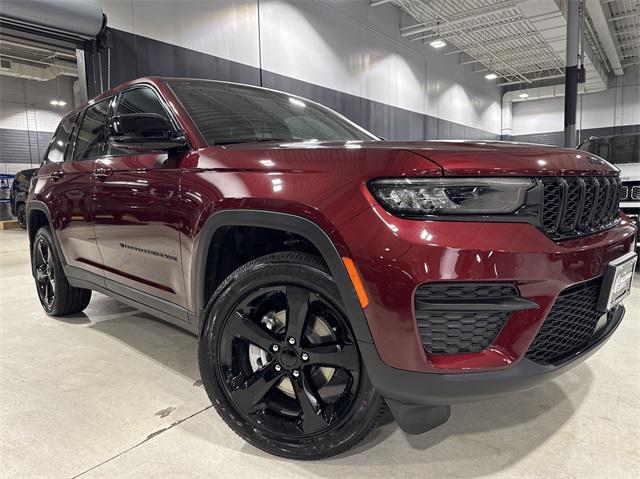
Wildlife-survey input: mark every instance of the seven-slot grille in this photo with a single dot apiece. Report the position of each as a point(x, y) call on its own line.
point(451, 328)
point(570, 325)
point(576, 206)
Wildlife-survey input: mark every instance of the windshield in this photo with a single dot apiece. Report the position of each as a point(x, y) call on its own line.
point(229, 113)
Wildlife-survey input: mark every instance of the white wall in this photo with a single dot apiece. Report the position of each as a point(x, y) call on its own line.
point(617, 106)
point(345, 45)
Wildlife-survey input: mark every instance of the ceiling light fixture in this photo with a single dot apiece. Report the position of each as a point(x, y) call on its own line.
point(524, 95)
point(491, 76)
point(438, 43)
point(58, 102)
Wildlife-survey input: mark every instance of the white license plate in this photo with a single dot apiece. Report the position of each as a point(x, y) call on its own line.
point(617, 282)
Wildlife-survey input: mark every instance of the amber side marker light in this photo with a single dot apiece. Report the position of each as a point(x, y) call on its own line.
point(356, 281)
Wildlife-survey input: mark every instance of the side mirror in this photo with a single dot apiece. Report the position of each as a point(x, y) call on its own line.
point(144, 131)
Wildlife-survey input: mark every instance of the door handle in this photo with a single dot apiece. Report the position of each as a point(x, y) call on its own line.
point(56, 175)
point(102, 172)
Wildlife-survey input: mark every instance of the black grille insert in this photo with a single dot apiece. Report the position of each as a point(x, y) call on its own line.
point(459, 318)
point(569, 326)
point(577, 206)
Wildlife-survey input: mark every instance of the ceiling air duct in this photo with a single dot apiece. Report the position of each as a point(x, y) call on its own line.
point(68, 20)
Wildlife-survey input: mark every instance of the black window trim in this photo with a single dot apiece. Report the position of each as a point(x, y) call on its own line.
point(45, 157)
point(115, 98)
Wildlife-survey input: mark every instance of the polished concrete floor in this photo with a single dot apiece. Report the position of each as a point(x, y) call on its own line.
point(116, 393)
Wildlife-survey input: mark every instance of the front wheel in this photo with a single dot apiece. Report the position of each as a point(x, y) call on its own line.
point(280, 362)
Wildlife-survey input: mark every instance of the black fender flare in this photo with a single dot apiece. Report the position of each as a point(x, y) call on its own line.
point(35, 205)
point(284, 222)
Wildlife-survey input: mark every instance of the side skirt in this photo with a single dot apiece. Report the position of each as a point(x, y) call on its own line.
point(159, 308)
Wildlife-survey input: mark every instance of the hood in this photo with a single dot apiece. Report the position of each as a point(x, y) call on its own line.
point(456, 158)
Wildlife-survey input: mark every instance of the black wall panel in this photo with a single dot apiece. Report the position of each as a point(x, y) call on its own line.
point(556, 138)
point(134, 56)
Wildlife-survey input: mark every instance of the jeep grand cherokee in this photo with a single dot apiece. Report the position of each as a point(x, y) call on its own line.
point(329, 274)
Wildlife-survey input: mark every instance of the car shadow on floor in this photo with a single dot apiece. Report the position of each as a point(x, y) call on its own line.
point(489, 435)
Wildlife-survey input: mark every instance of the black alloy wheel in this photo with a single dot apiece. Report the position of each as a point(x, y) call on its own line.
point(57, 296)
point(281, 363)
point(289, 361)
point(21, 216)
point(44, 272)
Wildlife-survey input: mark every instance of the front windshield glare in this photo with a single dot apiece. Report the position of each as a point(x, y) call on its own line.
point(227, 113)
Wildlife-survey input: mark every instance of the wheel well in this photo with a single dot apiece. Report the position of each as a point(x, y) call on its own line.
point(233, 246)
point(36, 220)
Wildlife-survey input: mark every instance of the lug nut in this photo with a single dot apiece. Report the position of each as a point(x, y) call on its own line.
point(292, 341)
point(296, 373)
point(275, 348)
point(305, 357)
point(278, 368)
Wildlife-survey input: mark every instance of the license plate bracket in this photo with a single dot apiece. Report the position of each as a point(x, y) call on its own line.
point(617, 282)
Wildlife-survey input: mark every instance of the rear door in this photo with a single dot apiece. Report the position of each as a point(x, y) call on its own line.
point(137, 211)
point(64, 184)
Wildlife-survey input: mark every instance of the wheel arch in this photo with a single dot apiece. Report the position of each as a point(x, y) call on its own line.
point(38, 215)
point(284, 222)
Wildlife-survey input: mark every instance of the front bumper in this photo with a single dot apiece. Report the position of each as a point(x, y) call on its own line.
point(431, 389)
point(394, 256)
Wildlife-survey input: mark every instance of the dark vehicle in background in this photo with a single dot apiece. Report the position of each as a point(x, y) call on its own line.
point(624, 152)
point(18, 195)
point(329, 274)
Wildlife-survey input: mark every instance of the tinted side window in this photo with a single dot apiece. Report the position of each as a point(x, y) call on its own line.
point(56, 152)
point(92, 133)
point(139, 100)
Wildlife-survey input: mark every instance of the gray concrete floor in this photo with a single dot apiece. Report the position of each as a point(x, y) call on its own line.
point(116, 393)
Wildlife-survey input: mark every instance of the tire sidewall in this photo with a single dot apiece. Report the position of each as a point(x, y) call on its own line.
point(341, 436)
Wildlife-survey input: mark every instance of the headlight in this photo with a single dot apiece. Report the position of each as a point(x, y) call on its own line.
point(451, 196)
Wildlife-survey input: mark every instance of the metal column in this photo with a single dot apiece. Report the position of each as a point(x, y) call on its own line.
point(571, 72)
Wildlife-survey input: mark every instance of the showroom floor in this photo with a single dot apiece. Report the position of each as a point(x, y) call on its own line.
point(116, 393)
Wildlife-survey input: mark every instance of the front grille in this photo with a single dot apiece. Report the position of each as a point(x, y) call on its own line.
point(570, 325)
point(446, 330)
point(576, 206)
point(635, 193)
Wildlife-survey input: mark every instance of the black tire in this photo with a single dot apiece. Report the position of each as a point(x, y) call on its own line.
point(57, 296)
point(21, 216)
point(273, 421)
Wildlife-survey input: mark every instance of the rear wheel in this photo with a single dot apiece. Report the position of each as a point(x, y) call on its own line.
point(280, 362)
point(21, 216)
point(57, 296)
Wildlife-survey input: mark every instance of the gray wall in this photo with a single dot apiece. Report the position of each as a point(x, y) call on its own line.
point(614, 111)
point(27, 120)
point(343, 53)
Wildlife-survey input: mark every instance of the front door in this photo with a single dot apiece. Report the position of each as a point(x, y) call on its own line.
point(136, 212)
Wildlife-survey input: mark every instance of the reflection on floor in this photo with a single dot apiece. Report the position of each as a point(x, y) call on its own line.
point(116, 393)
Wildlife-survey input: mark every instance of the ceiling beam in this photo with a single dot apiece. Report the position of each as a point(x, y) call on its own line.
point(607, 39)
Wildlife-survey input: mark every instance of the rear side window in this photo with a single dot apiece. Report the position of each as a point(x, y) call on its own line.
point(92, 134)
point(60, 142)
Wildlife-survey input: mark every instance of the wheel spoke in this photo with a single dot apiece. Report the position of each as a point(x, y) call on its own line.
point(297, 312)
point(41, 274)
point(251, 392)
point(242, 327)
point(41, 252)
point(337, 355)
point(312, 419)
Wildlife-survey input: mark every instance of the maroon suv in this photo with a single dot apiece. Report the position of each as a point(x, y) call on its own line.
point(328, 273)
